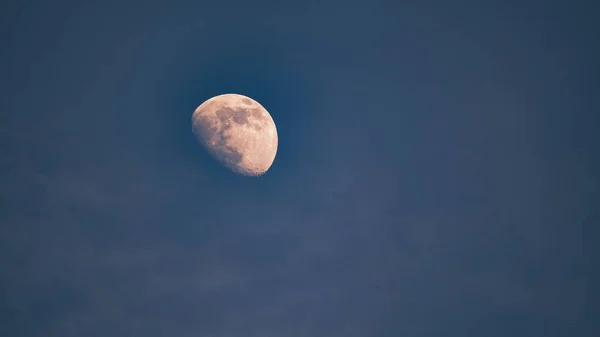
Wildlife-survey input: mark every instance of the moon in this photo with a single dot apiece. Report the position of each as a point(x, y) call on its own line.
point(238, 132)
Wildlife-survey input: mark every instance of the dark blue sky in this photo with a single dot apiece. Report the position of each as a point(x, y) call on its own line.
point(435, 173)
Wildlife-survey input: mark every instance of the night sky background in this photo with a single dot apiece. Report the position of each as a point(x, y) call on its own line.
point(436, 172)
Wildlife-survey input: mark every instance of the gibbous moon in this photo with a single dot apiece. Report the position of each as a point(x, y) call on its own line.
point(238, 132)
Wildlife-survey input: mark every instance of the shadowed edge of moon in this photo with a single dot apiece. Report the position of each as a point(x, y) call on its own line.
point(222, 150)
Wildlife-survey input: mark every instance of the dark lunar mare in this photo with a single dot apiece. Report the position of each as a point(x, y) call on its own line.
point(238, 116)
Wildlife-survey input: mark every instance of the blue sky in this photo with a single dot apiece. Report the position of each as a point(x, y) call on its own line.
point(435, 173)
